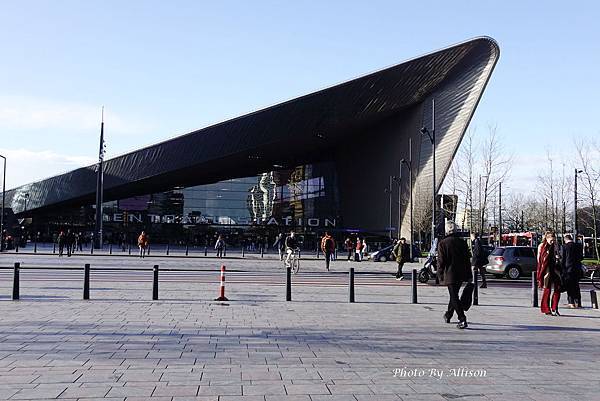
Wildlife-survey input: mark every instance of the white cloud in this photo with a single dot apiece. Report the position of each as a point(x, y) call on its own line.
point(24, 166)
point(33, 113)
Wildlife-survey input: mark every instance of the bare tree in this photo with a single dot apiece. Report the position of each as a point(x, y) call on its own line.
point(496, 163)
point(421, 215)
point(588, 152)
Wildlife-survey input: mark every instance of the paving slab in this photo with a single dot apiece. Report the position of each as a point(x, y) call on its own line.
point(121, 344)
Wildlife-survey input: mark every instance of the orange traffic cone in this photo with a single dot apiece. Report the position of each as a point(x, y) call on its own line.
point(222, 290)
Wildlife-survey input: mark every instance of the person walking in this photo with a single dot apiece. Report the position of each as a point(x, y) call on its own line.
point(143, 244)
point(572, 272)
point(349, 248)
point(400, 252)
point(80, 241)
point(280, 245)
point(364, 250)
point(69, 240)
point(478, 258)
point(453, 269)
point(548, 275)
point(328, 248)
point(220, 246)
point(61, 243)
point(358, 250)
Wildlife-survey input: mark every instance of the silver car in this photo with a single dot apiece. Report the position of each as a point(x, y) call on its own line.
point(512, 261)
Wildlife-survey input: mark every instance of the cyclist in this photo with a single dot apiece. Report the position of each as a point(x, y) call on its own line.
point(291, 246)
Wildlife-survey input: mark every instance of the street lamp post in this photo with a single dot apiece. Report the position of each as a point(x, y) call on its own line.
point(390, 193)
point(410, 180)
point(431, 136)
point(409, 166)
point(481, 211)
point(577, 171)
point(500, 213)
point(2, 239)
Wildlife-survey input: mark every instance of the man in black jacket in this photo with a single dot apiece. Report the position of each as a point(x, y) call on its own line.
point(453, 269)
point(478, 258)
point(571, 257)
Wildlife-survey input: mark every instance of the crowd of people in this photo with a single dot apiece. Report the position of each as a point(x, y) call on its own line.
point(559, 268)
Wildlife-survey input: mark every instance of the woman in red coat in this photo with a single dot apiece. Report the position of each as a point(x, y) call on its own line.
point(548, 274)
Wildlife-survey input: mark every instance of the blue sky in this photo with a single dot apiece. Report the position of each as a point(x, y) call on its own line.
point(165, 68)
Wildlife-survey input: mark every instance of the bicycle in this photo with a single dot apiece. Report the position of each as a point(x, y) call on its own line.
point(292, 260)
point(595, 276)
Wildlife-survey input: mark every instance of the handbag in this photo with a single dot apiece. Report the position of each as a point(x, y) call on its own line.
point(466, 298)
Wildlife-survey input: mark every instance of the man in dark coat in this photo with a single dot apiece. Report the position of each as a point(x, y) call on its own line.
point(400, 252)
point(478, 258)
point(453, 269)
point(571, 257)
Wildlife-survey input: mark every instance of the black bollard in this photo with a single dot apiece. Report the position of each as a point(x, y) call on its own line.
point(155, 284)
point(35, 246)
point(167, 249)
point(288, 284)
point(148, 249)
point(475, 287)
point(351, 285)
point(534, 290)
point(16, 281)
point(243, 252)
point(224, 250)
point(110, 249)
point(91, 248)
point(317, 253)
point(205, 250)
point(262, 251)
point(414, 286)
point(594, 299)
point(17, 247)
point(86, 281)
point(54, 247)
point(130, 249)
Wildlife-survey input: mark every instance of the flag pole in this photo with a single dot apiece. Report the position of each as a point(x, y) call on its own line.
point(99, 187)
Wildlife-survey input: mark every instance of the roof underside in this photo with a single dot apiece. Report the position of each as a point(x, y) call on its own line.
point(294, 132)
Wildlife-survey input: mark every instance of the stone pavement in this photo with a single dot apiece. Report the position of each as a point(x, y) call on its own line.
point(120, 345)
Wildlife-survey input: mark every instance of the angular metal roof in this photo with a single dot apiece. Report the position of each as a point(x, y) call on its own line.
point(290, 133)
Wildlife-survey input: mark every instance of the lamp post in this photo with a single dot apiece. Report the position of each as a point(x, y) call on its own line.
point(577, 171)
point(390, 192)
point(481, 211)
point(500, 213)
point(431, 136)
point(2, 239)
point(410, 180)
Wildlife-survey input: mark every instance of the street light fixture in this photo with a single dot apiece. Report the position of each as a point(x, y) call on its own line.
point(2, 239)
point(431, 136)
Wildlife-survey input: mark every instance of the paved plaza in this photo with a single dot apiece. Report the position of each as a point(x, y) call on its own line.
point(121, 345)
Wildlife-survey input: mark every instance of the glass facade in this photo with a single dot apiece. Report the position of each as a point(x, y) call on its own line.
point(304, 198)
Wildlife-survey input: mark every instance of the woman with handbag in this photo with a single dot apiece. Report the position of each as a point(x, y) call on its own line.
point(548, 274)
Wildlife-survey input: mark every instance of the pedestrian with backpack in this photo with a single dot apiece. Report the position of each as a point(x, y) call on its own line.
point(328, 248)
